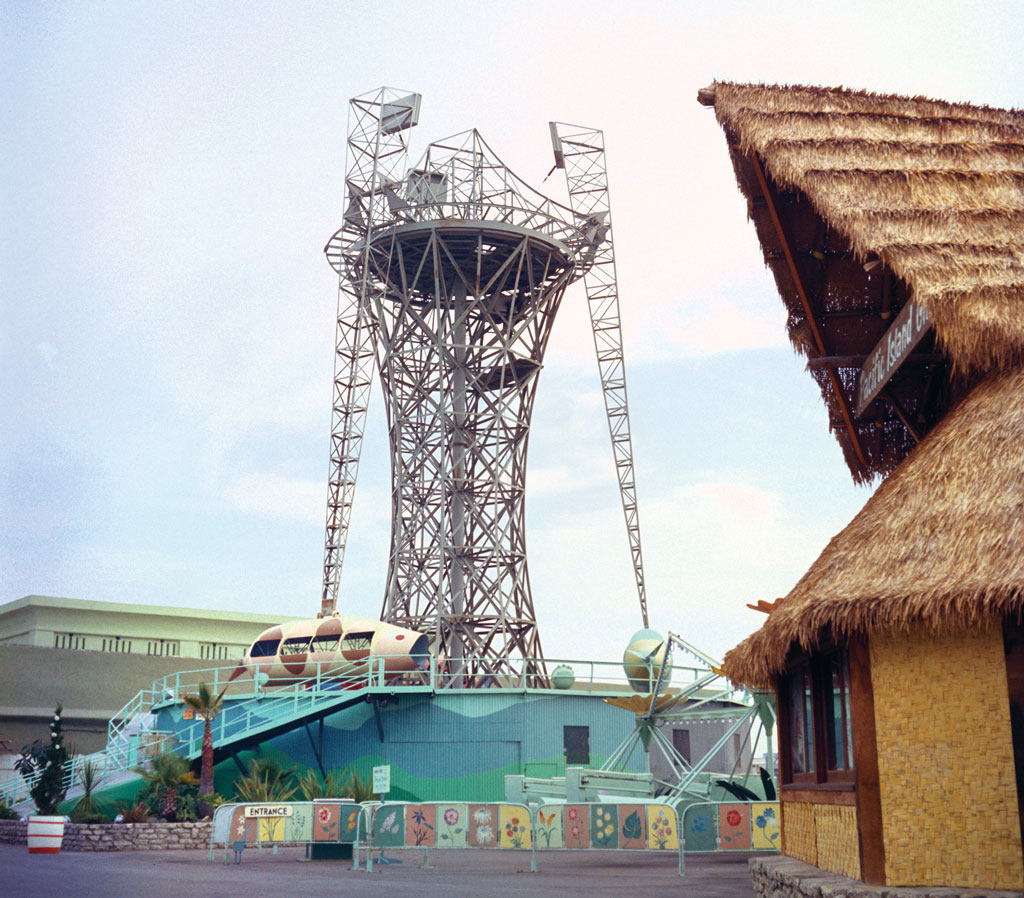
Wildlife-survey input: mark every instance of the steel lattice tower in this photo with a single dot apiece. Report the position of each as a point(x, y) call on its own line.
point(451, 273)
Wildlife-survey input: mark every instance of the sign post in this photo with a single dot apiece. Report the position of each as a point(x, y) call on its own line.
point(382, 779)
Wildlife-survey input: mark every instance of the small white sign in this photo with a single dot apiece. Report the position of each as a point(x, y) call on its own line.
point(382, 779)
point(269, 810)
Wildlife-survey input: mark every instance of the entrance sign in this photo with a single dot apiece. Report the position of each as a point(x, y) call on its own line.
point(891, 351)
point(269, 810)
point(382, 779)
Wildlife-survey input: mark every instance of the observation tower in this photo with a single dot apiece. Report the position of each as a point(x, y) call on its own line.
point(450, 272)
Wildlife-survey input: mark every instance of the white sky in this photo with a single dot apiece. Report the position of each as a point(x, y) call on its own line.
point(169, 174)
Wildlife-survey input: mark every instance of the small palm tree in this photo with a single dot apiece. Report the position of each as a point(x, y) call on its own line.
point(170, 786)
point(207, 706)
point(89, 809)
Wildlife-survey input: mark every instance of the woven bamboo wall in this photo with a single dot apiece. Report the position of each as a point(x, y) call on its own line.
point(945, 760)
point(798, 831)
point(838, 845)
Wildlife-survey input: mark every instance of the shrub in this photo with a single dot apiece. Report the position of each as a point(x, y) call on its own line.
point(171, 787)
point(88, 809)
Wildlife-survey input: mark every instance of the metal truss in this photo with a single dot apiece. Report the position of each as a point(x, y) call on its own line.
point(377, 152)
point(460, 269)
point(580, 153)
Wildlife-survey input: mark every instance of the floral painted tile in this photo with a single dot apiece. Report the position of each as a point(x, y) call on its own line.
point(734, 827)
point(604, 825)
point(662, 828)
point(483, 825)
point(389, 826)
point(632, 827)
point(766, 825)
point(350, 824)
point(576, 825)
point(326, 822)
point(271, 829)
point(515, 827)
point(549, 826)
point(421, 825)
point(699, 833)
point(452, 826)
point(299, 827)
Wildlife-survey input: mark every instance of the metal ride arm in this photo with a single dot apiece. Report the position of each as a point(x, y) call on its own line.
point(580, 153)
point(377, 151)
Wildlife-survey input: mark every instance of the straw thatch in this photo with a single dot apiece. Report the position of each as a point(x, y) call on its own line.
point(941, 541)
point(934, 189)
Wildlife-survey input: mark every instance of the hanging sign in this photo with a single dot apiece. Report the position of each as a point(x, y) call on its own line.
point(903, 335)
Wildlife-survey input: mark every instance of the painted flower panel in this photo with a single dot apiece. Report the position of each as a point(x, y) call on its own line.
point(549, 826)
point(452, 826)
point(421, 825)
point(662, 828)
point(767, 834)
point(389, 826)
point(604, 826)
point(734, 827)
point(515, 829)
point(699, 833)
point(576, 825)
point(483, 825)
point(271, 829)
point(299, 827)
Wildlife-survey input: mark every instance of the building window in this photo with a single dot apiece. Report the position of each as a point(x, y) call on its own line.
point(576, 741)
point(681, 743)
point(162, 647)
point(68, 641)
point(213, 651)
point(816, 718)
point(116, 644)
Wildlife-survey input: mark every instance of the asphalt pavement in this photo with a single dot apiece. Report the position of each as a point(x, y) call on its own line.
point(453, 874)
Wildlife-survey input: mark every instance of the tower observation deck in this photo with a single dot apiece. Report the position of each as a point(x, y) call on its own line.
point(451, 273)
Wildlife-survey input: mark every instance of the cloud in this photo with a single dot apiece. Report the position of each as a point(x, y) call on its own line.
point(48, 352)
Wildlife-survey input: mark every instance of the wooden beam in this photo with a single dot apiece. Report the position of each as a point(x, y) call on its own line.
point(856, 361)
point(901, 413)
point(798, 284)
point(865, 763)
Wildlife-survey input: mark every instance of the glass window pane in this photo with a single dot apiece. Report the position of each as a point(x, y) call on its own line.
point(798, 718)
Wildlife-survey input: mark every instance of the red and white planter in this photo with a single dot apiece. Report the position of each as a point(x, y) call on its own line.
point(45, 835)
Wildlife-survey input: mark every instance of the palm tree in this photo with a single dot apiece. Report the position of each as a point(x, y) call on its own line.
point(207, 706)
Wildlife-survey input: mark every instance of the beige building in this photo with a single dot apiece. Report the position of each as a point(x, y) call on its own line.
point(93, 657)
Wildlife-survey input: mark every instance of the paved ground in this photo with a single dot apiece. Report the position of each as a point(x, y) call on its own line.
point(456, 874)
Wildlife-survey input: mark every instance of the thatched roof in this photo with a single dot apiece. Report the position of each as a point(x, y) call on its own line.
point(941, 540)
point(883, 199)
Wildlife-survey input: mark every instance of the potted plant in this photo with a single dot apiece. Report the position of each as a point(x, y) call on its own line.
point(46, 765)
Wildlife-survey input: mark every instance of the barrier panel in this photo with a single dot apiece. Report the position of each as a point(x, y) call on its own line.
point(442, 825)
point(608, 826)
point(326, 820)
point(604, 826)
point(731, 826)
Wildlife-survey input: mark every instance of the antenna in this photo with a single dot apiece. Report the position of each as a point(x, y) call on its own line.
point(580, 153)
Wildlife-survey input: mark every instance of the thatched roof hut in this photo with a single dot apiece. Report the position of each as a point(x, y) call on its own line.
point(863, 202)
point(941, 541)
point(898, 658)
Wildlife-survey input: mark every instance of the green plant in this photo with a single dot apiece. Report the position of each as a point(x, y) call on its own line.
point(207, 706)
point(359, 790)
point(334, 785)
point(7, 812)
point(88, 809)
point(136, 812)
point(48, 761)
point(266, 781)
point(171, 787)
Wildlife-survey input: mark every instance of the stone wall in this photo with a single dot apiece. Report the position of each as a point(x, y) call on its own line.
point(118, 836)
point(945, 760)
point(784, 877)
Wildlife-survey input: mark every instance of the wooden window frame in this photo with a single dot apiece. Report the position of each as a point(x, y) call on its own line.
point(816, 666)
